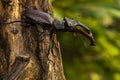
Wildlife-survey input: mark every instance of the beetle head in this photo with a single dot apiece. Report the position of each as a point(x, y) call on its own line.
point(71, 25)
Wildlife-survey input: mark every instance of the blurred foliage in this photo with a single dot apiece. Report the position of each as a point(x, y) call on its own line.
point(82, 61)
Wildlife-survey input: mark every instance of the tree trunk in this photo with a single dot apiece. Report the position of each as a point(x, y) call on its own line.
point(27, 52)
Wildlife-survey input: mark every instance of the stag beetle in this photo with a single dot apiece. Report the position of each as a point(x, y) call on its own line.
point(68, 25)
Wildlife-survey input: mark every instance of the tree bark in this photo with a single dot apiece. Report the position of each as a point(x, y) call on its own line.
point(27, 52)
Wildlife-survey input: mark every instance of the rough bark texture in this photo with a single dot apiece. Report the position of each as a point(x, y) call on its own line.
point(27, 52)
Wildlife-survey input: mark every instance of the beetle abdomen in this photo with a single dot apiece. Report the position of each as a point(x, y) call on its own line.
point(38, 16)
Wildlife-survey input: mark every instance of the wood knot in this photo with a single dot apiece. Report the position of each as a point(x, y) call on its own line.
point(14, 31)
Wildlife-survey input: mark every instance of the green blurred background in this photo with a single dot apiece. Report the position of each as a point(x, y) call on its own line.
point(82, 61)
